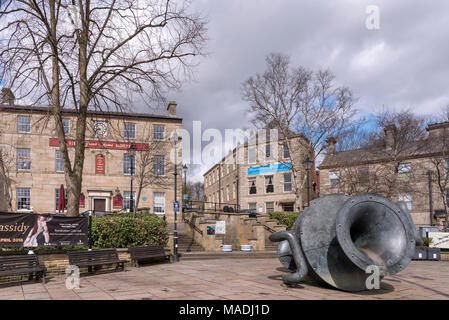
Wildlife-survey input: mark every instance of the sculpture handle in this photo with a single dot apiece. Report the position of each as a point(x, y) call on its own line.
point(298, 257)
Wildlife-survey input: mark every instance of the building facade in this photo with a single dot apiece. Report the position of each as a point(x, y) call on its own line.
point(34, 169)
point(412, 175)
point(253, 177)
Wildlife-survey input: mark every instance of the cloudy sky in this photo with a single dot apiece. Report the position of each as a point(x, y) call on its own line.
point(404, 64)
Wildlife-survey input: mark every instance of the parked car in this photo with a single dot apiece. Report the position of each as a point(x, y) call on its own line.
point(95, 213)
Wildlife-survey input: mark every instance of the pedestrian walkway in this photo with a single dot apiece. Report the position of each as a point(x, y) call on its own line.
point(228, 279)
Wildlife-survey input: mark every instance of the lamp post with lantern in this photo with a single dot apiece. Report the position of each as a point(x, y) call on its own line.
point(308, 164)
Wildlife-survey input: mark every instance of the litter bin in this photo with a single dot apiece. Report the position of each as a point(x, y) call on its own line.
point(420, 254)
point(433, 254)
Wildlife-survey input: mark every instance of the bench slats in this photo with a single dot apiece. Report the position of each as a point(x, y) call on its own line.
point(12, 265)
point(141, 253)
point(85, 258)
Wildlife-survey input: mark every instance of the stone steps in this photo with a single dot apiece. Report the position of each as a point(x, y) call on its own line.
point(228, 255)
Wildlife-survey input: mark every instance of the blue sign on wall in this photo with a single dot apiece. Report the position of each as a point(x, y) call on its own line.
point(270, 168)
point(176, 206)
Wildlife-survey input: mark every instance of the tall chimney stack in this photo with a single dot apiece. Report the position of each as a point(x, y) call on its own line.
point(7, 97)
point(331, 145)
point(390, 137)
point(172, 108)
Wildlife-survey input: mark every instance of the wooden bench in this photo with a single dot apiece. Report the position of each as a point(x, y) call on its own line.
point(23, 264)
point(94, 258)
point(144, 253)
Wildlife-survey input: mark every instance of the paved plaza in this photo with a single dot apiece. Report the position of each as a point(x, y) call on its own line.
point(234, 279)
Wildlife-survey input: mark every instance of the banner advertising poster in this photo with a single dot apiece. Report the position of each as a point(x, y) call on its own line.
point(36, 230)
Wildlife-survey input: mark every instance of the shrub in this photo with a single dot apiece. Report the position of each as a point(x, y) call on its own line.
point(123, 231)
point(285, 218)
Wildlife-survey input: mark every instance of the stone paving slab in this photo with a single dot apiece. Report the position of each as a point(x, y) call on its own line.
point(228, 279)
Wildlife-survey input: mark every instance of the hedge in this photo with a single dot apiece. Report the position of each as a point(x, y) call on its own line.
point(285, 218)
point(124, 231)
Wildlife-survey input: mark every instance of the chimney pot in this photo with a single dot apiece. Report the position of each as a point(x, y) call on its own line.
point(7, 97)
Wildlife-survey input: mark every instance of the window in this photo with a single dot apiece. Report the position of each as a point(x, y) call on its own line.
point(159, 202)
point(23, 198)
point(407, 198)
point(252, 206)
point(267, 151)
point(59, 167)
point(363, 175)
point(405, 171)
point(288, 207)
point(23, 124)
point(129, 163)
point(57, 198)
point(287, 182)
point(269, 206)
point(228, 193)
point(159, 165)
point(252, 185)
point(129, 130)
point(251, 155)
point(23, 159)
point(158, 132)
point(235, 190)
point(334, 178)
point(127, 200)
point(66, 126)
point(286, 151)
point(269, 187)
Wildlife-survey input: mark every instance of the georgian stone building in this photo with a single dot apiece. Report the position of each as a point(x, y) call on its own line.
point(252, 177)
point(34, 167)
point(410, 176)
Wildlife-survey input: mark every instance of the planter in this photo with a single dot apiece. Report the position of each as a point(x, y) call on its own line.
point(420, 254)
point(245, 247)
point(433, 254)
point(226, 248)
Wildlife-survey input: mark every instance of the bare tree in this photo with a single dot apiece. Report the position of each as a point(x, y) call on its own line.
point(299, 101)
point(95, 54)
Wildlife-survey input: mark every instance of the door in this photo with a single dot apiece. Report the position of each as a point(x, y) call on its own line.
point(100, 205)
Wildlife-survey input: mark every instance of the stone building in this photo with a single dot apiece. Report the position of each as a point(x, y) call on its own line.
point(257, 175)
point(28, 136)
point(410, 176)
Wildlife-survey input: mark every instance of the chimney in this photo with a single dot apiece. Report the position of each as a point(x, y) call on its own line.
point(172, 108)
point(7, 97)
point(390, 137)
point(331, 145)
point(438, 130)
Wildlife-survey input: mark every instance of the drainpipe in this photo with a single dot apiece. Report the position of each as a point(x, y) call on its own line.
point(429, 175)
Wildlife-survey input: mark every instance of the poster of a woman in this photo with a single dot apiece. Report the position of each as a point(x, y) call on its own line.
point(39, 234)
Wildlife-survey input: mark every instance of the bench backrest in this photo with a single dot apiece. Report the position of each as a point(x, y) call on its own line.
point(99, 256)
point(149, 251)
point(18, 262)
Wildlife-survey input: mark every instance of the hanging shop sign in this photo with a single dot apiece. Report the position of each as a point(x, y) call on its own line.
point(99, 164)
point(36, 230)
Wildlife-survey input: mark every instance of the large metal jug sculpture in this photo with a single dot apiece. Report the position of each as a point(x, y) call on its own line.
point(338, 237)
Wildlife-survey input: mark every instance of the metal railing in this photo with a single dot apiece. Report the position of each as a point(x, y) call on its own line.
point(211, 206)
point(193, 225)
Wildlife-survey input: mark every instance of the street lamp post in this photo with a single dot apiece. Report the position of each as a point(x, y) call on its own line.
point(132, 159)
point(174, 139)
point(308, 164)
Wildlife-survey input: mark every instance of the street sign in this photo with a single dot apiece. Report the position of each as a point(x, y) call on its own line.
point(186, 197)
point(176, 206)
point(144, 199)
